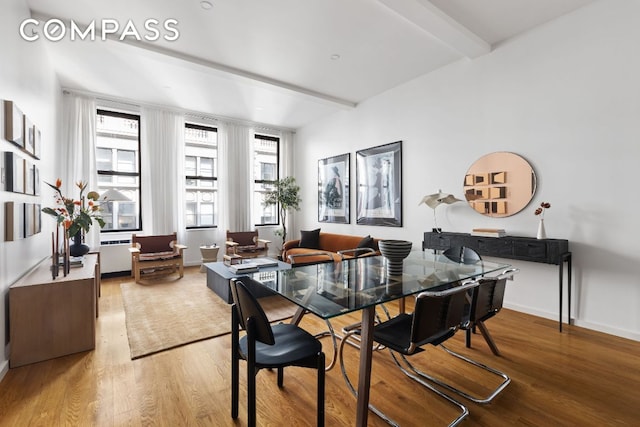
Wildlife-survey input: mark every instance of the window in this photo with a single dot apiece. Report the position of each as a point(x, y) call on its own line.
point(201, 174)
point(266, 171)
point(118, 164)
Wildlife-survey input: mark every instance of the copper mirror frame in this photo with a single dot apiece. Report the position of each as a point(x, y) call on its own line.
point(499, 184)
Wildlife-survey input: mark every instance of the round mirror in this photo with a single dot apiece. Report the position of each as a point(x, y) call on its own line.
point(499, 184)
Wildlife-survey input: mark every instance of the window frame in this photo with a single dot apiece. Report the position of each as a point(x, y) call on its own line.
point(138, 175)
point(256, 182)
point(213, 179)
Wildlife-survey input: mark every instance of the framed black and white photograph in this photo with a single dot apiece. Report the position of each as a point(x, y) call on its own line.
point(333, 189)
point(379, 182)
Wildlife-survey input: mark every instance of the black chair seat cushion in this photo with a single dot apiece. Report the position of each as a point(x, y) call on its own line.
point(396, 334)
point(291, 344)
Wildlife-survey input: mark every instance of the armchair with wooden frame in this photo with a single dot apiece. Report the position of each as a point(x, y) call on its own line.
point(246, 244)
point(156, 255)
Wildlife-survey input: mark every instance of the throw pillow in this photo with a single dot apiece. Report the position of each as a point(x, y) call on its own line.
point(310, 239)
point(366, 242)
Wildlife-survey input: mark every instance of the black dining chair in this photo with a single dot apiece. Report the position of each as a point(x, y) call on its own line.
point(486, 302)
point(466, 255)
point(462, 255)
point(268, 346)
point(435, 319)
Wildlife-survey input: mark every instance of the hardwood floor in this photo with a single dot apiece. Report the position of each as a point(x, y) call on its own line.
point(578, 377)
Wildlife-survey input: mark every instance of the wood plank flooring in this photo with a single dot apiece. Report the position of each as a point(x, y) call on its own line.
point(575, 378)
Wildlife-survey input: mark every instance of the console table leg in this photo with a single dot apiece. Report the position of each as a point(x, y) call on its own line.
point(560, 279)
point(569, 288)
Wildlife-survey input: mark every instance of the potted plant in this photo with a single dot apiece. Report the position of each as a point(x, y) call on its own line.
point(285, 195)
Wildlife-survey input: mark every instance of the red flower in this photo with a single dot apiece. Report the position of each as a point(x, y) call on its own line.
point(541, 209)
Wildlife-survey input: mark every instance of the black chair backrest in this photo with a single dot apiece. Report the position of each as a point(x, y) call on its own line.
point(462, 255)
point(247, 306)
point(436, 318)
point(487, 299)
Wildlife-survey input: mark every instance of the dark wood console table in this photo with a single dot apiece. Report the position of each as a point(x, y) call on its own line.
point(548, 251)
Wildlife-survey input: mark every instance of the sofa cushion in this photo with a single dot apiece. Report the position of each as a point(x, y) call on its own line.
point(310, 239)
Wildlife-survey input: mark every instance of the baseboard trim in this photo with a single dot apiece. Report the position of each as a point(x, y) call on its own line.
point(4, 369)
point(622, 333)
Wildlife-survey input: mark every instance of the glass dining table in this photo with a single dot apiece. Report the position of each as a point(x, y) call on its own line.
point(333, 289)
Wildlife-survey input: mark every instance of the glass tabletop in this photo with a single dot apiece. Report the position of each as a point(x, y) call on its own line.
point(333, 289)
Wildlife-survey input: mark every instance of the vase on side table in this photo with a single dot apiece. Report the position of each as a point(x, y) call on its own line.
point(542, 234)
point(78, 248)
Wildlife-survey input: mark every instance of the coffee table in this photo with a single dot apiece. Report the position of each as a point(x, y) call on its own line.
point(219, 275)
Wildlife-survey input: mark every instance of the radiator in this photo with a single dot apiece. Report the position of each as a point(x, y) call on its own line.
point(115, 256)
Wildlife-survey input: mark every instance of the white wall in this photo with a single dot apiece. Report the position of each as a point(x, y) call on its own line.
point(566, 97)
point(27, 78)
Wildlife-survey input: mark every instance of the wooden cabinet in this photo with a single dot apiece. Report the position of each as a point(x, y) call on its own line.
point(548, 251)
point(50, 318)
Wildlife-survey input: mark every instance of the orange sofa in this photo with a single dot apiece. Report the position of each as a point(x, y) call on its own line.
point(337, 246)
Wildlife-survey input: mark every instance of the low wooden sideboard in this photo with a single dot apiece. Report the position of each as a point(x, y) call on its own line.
point(50, 318)
point(548, 251)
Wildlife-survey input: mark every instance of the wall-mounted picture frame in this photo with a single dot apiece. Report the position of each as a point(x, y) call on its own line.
point(36, 181)
point(379, 185)
point(29, 136)
point(13, 221)
point(14, 169)
point(333, 189)
point(13, 123)
point(37, 142)
point(29, 183)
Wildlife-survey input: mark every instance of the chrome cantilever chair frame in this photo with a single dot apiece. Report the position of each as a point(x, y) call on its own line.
point(330, 332)
point(356, 252)
point(507, 274)
point(452, 325)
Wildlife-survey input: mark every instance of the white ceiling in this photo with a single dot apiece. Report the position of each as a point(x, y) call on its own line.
point(269, 61)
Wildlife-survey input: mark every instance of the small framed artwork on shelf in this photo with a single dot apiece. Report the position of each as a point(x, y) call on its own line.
point(37, 142)
point(13, 124)
point(29, 136)
point(13, 221)
point(13, 172)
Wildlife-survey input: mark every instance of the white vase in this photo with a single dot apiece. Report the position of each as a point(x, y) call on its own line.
point(542, 234)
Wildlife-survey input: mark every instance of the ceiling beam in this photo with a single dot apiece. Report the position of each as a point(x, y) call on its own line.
point(439, 25)
point(222, 69)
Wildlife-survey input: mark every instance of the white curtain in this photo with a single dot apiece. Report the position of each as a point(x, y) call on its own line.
point(286, 169)
point(235, 177)
point(77, 160)
point(162, 172)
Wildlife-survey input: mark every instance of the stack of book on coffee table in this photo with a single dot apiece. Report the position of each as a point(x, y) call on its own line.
point(242, 268)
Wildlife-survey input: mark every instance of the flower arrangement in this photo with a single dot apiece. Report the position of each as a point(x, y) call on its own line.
point(73, 214)
point(542, 208)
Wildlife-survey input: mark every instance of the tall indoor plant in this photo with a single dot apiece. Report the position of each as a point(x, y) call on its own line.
point(285, 195)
